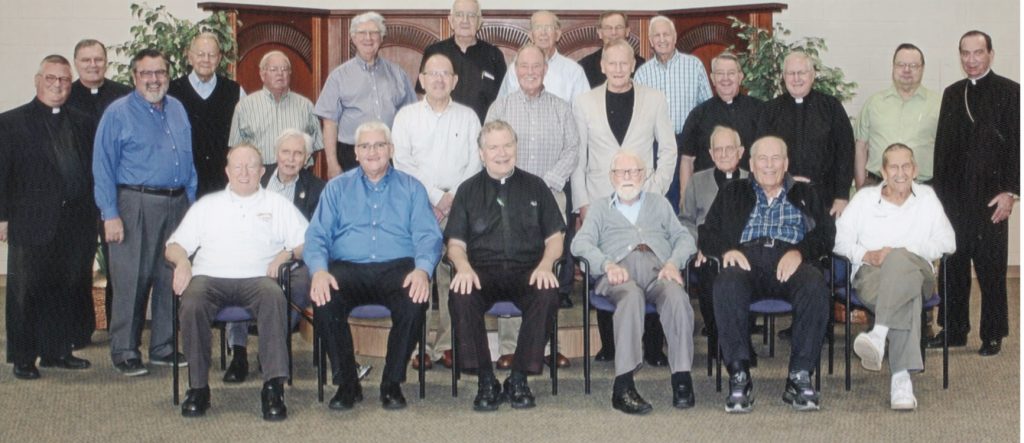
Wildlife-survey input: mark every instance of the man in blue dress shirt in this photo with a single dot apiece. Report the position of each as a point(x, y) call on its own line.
point(144, 182)
point(372, 239)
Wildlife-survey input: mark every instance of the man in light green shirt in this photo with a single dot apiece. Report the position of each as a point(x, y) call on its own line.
point(904, 113)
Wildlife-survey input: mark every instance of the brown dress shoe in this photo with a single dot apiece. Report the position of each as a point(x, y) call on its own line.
point(446, 359)
point(504, 362)
point(561, 360)
point(416, 363)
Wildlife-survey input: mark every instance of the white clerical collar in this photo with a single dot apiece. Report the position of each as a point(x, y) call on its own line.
point(974, 81)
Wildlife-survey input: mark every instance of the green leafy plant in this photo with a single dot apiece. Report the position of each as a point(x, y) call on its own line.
point(762, 59)
point(163, 31)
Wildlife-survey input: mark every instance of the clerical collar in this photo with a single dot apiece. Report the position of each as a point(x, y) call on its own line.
point(799, 100)
point(502, 180)
point(55, 110)
point(974, 81)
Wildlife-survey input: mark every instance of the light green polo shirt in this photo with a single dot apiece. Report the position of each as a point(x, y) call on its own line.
point(886, 119)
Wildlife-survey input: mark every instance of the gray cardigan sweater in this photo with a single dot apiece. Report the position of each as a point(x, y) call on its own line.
point(607, 236)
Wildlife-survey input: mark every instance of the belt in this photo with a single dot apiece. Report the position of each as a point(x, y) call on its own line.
point(642, 248)
point(166, 192)
point(766, 242)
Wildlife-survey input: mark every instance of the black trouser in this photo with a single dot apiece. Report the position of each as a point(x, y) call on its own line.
point(347, 156)
point(735, 289)
point(985, 244)
point(43, 287)
point(539, 306)
point(366, 283)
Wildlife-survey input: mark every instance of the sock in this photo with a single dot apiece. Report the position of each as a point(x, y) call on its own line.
point(678, 378)
point(793, 375)
point(901, 374)
point(623, 382)
point(517, 376)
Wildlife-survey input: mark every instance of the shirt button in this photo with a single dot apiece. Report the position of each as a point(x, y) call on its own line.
point(373, 256)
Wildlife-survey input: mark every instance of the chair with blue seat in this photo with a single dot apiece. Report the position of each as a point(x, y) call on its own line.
point(505, 309)
point(842, 287)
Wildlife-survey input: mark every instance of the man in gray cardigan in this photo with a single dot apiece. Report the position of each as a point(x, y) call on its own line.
point(636, 246)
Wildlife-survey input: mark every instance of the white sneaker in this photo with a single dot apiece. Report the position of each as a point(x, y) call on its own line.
point(870, 353)
point(901, 397)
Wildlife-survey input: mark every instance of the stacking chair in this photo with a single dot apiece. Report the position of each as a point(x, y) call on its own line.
point(232, 314)
point(842, 287)
point(503, 309)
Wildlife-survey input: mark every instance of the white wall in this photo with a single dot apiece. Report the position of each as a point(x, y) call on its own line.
point(861, 34)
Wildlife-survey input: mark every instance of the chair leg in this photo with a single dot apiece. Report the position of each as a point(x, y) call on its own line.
point(586, 337)
point(318, 350)
point(771, 332)
point(847, 339)
point(765, 332)
point(422, 354)
point(176, 326)
point(831, 336)
point(554, 356)
point(455, 357)
point(223, 347)
point(718, 364)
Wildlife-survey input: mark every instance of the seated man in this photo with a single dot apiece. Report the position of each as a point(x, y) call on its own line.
point(506, 222)
point(372, 239)
point(287, 179)
point(240, 236)
point(768, 231)
point(726, 150)
point(891, 233)
point(635, 240)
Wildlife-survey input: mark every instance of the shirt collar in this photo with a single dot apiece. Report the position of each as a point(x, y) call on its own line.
point(675, 58)
point(614, 202)
point(892, 91)
point(235, 198)
point(141, 101)
point(382, 183)
point(270, 95)
point(975, 81)
point(196, 81)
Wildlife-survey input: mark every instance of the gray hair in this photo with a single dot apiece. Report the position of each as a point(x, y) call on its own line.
point(662, 19)
point(558, 21)
point(801, 55)
point(617, 44)
point(207, 35)
point(475, 2)
point(897, 147)
point(626, 153)
point(725, 56)
point(720, 129)
point(530, 45)
point(290, 133)
point(372, 126)
point(246, 145)
point(757, 145)
point(371, 16)
point(266, 59)
point(494, 126)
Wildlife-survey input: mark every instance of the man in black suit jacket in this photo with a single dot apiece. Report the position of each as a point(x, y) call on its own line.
point(48, 216)
point(288, 178)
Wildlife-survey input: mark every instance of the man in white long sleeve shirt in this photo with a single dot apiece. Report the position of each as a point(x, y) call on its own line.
point(892, 233)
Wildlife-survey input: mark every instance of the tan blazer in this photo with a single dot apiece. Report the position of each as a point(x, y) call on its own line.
point(650, 122)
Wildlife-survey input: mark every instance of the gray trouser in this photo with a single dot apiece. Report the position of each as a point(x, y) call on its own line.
point(895, 292)
point(238, 332)
point(673, 307)
point(137, 265)
point(261, 296)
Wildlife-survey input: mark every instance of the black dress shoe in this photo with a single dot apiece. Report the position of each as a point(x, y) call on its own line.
point(391, 396)
point(197, 401)
point(67, 362)
point(26, 371)
point(132, 367)
point(605, 354)
point(955, 340)
point(682, 395)
point(656, 358)
point(488, 396)
point(346, 397)
point(238, 370)
point(990, 347)
point(272, 400)
point(518, 394)
point(630, 402)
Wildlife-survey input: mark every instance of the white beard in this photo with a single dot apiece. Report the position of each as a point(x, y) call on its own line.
point(628, 193)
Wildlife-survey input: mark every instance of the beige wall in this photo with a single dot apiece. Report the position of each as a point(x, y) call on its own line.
point(861, 35)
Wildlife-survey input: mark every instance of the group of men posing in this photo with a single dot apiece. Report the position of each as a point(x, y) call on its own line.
point(497, 171)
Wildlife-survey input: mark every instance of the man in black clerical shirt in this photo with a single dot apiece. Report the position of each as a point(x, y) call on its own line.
point(48, 217)
point(504, 235)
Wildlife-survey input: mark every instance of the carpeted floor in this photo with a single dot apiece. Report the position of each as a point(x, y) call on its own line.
point(982, 404)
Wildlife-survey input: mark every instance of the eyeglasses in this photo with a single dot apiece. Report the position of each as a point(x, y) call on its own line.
point(911, 66)
point(720, 149)
point(278, 69)
point(50, 79)
point(726, 74)
point(544, 28)
point(613, 28)
point(465, 15)
point(620, 173)
point(797, 73)
point(206, 55)
point(367, 34)
point(437, 74)
point(161, 73)
point(379, 146)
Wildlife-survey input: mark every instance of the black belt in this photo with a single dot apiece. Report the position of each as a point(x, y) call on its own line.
point(166, 192)
point(766, 242)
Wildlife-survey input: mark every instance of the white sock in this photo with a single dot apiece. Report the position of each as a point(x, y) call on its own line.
point(902, 377)
point(878, 334)
point(902, 374)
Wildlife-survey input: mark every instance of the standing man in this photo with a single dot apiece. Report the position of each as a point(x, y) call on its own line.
point(260, 118)
point(47, 215)
point(769, 231)
point(91, 94)
point(144, 183)
point(891, 233)
point(239, 237)
point(637, 247)
point(371, 240)
point(504, 236)
point(611, 26)
point(209, 99)
point(977, 178)
point(817, 131)
point(681, 77)
point(433, 141)
point(729, 108)
point(548, 148)
point(905, 113)
point(479, 65)
point(564, 78)
point(363, 89)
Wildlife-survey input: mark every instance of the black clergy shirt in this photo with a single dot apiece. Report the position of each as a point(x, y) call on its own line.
point(740, 115)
